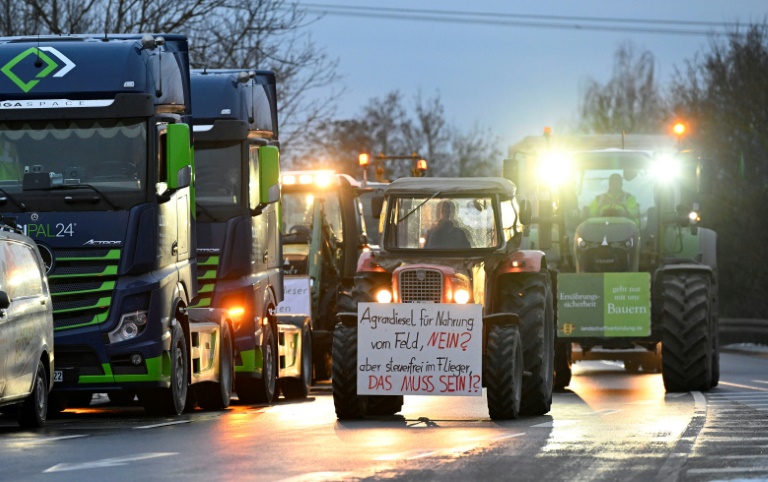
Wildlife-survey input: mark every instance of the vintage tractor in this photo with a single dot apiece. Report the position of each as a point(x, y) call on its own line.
point(474, 258)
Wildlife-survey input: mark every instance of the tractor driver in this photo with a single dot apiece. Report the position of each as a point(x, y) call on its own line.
point(615, 202)
point(446, 234)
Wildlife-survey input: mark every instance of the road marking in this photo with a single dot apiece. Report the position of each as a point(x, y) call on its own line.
point(744, 386)
point(554, 423)
point(166, 424)
point(50, 439)
point(728, 470)
point(106, 463)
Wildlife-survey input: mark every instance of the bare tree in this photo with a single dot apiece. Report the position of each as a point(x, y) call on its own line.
point(476, 152)
point(722, 94)
point(630, 101)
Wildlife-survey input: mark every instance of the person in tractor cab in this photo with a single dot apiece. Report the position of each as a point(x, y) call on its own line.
point(446, 234)
point(615, 202)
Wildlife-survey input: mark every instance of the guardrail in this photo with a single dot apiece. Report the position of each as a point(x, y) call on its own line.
point(743, 330)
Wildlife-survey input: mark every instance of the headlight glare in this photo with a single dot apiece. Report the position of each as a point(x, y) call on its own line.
point(384, 296)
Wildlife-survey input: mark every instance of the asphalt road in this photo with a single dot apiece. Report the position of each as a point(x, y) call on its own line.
point(610, 425)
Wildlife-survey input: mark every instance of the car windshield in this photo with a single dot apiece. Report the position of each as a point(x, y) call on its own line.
point(441, 223)
point(109, 154)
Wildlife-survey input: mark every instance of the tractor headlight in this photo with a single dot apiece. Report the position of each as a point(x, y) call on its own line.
point(461, 296)
point(131, 325)
point(582, 244)
point(384, 296)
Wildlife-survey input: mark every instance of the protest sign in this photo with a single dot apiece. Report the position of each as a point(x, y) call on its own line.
point(419, 349)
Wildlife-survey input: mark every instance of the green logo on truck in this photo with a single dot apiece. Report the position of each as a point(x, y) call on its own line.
point(44, 61)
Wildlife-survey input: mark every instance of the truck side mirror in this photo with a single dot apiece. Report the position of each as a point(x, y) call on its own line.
point(179, 156)
point(269, 175)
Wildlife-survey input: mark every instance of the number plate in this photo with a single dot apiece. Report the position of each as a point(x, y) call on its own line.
point(58, 376)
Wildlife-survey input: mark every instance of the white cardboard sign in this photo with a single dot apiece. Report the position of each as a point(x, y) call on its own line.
point(419, 349)
point(296, 296)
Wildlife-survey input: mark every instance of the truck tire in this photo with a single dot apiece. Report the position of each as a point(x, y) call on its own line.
point(34, 409)
point(530, 296)
point(298, 388)
point(217, 396)
point(563, 365)
point(348, 404)
point(503, 372)
point(262, 390)
point(172, 400)
point(686, 343)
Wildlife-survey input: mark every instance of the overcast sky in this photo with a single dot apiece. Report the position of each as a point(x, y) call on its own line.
point(512, 79)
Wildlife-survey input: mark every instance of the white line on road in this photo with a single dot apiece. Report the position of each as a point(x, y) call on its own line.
point(744, 386)
point(728, 470)
point(166, 424)
point(50, 439)
point(106, 463)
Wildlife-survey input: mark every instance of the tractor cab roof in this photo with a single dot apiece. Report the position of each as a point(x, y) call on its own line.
point(450, 186)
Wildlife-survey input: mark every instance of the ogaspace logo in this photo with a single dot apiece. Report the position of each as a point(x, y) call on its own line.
point(47, 63)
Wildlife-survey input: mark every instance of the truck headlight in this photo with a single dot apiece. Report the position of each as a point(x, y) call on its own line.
point(461, 296)
point(384, 296)
point(131, 325)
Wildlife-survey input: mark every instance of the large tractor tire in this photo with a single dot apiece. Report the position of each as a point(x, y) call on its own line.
point(384, 405)
point(362, 292)
point(348, 404)
point(503, 372)
point(686, 344)
point(530, 296)
point(563, 365)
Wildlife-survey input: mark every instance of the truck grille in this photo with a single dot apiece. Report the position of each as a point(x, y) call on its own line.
point(421, 286)
point(81, 284)
point(206, 279)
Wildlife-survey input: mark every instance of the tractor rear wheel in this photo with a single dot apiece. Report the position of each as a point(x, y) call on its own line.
point(686, 343)
point(530, 296)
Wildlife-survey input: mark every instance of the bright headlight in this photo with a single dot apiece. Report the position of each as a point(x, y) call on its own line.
point(384, 296)
point(555, 168)
point(131, 325)
point(665, 168)
point(461, 296)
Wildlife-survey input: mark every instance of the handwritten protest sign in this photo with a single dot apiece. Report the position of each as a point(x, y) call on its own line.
point(419, 349)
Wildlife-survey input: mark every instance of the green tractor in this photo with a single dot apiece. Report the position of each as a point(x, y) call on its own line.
point(637, 276)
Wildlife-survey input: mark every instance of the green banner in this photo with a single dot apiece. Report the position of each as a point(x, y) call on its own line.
point(603, 304)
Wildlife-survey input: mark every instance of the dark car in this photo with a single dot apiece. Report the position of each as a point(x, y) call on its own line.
point(26, 330)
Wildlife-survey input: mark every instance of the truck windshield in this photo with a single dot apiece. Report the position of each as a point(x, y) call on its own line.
point(441, 223)
point(218, 177)
point(107, 153)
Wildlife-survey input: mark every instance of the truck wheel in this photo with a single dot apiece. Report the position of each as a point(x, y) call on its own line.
point(530, 296)
point(503, 372)
point(348, 404)
point(562, 365)
point(172, 400)
point(384, 405)
point(297, 388)
point(686, 357)
point(35, 407)
point(219, 396)
point(262, 390)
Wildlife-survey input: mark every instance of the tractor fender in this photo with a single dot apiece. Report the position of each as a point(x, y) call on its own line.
point(367, 263)
point(523, 261)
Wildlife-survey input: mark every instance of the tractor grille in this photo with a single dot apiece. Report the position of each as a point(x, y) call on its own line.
point(421, 286)
point(81, 284)
point(606, 259)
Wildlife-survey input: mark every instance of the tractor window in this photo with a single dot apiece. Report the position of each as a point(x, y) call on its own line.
point(637, 182)
point(442, 223)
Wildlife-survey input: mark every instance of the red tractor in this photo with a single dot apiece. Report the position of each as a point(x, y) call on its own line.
point(456, 241)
